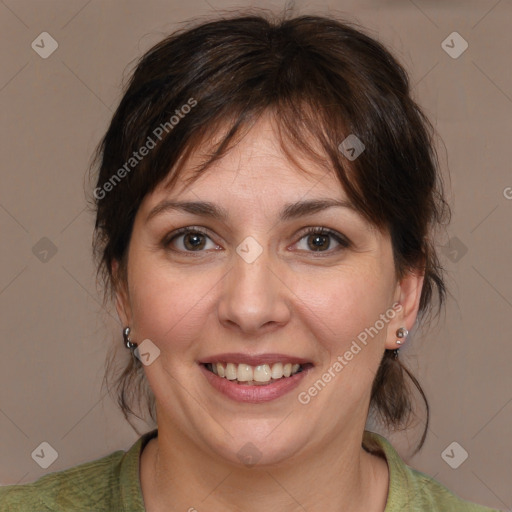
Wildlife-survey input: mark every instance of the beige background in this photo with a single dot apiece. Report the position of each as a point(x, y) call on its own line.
point(54, 332)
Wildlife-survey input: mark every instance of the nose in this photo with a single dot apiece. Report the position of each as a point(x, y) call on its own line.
point(254, 298)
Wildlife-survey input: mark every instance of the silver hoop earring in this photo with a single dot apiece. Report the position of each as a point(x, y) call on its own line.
point(127, 341)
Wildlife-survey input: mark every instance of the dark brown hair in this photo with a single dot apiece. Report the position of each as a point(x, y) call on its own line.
point(322, 80)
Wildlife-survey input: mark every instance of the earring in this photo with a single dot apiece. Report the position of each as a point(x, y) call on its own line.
point(401, 333)
point(127, 341)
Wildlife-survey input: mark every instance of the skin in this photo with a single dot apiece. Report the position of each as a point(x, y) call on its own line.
point(292, 300)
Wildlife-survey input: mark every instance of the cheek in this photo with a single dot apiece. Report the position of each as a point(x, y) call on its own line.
point(169, 307)
point(342, 305)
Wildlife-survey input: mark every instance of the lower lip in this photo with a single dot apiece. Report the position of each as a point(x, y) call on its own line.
point(253, 394)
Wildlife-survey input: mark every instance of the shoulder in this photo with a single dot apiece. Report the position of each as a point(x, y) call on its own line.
point(413, 490)
point(429, 494)
point(99, 486)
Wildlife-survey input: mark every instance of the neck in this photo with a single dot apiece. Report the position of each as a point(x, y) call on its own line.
point(177, 475)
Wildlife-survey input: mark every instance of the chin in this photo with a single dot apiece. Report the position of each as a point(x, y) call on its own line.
point(259, 449)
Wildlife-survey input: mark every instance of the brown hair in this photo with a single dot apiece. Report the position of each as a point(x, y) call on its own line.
point(322, 79)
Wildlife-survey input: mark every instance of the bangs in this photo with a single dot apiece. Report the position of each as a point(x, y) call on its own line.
point(304, 134)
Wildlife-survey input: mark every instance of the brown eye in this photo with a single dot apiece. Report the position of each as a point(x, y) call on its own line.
point(188, 240)
point(321, 239)
point(318, 242)
point(193, 241)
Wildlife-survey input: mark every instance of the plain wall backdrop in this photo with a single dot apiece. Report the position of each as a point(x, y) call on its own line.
point(54, 331)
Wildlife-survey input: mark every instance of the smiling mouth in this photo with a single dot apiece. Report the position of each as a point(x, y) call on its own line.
point(259, 375)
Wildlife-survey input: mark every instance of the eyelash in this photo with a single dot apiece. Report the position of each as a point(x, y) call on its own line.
point(342, 241)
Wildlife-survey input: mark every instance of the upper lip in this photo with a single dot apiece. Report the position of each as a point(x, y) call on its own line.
point(253, 359)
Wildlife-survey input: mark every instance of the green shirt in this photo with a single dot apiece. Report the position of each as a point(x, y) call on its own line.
point(112, 484)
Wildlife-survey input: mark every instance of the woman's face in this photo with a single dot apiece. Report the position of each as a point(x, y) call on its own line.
point(255, 288)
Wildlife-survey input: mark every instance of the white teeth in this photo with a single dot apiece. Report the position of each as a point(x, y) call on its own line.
point(230, 371)
point(263, 373)
point(277, 370)
point(245, 373)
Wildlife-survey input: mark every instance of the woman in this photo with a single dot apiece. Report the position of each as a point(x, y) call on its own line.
point(266, 201)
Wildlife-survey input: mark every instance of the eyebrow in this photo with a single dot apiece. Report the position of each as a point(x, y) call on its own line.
point(289, 212)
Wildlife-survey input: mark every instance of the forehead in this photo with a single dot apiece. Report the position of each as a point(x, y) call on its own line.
point(256, 164)
point(255, 180)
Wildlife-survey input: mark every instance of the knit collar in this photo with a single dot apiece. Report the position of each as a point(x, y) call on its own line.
point(131, 491)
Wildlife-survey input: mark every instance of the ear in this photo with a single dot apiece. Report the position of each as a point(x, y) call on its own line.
point(123, 306)
point(407, 295)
